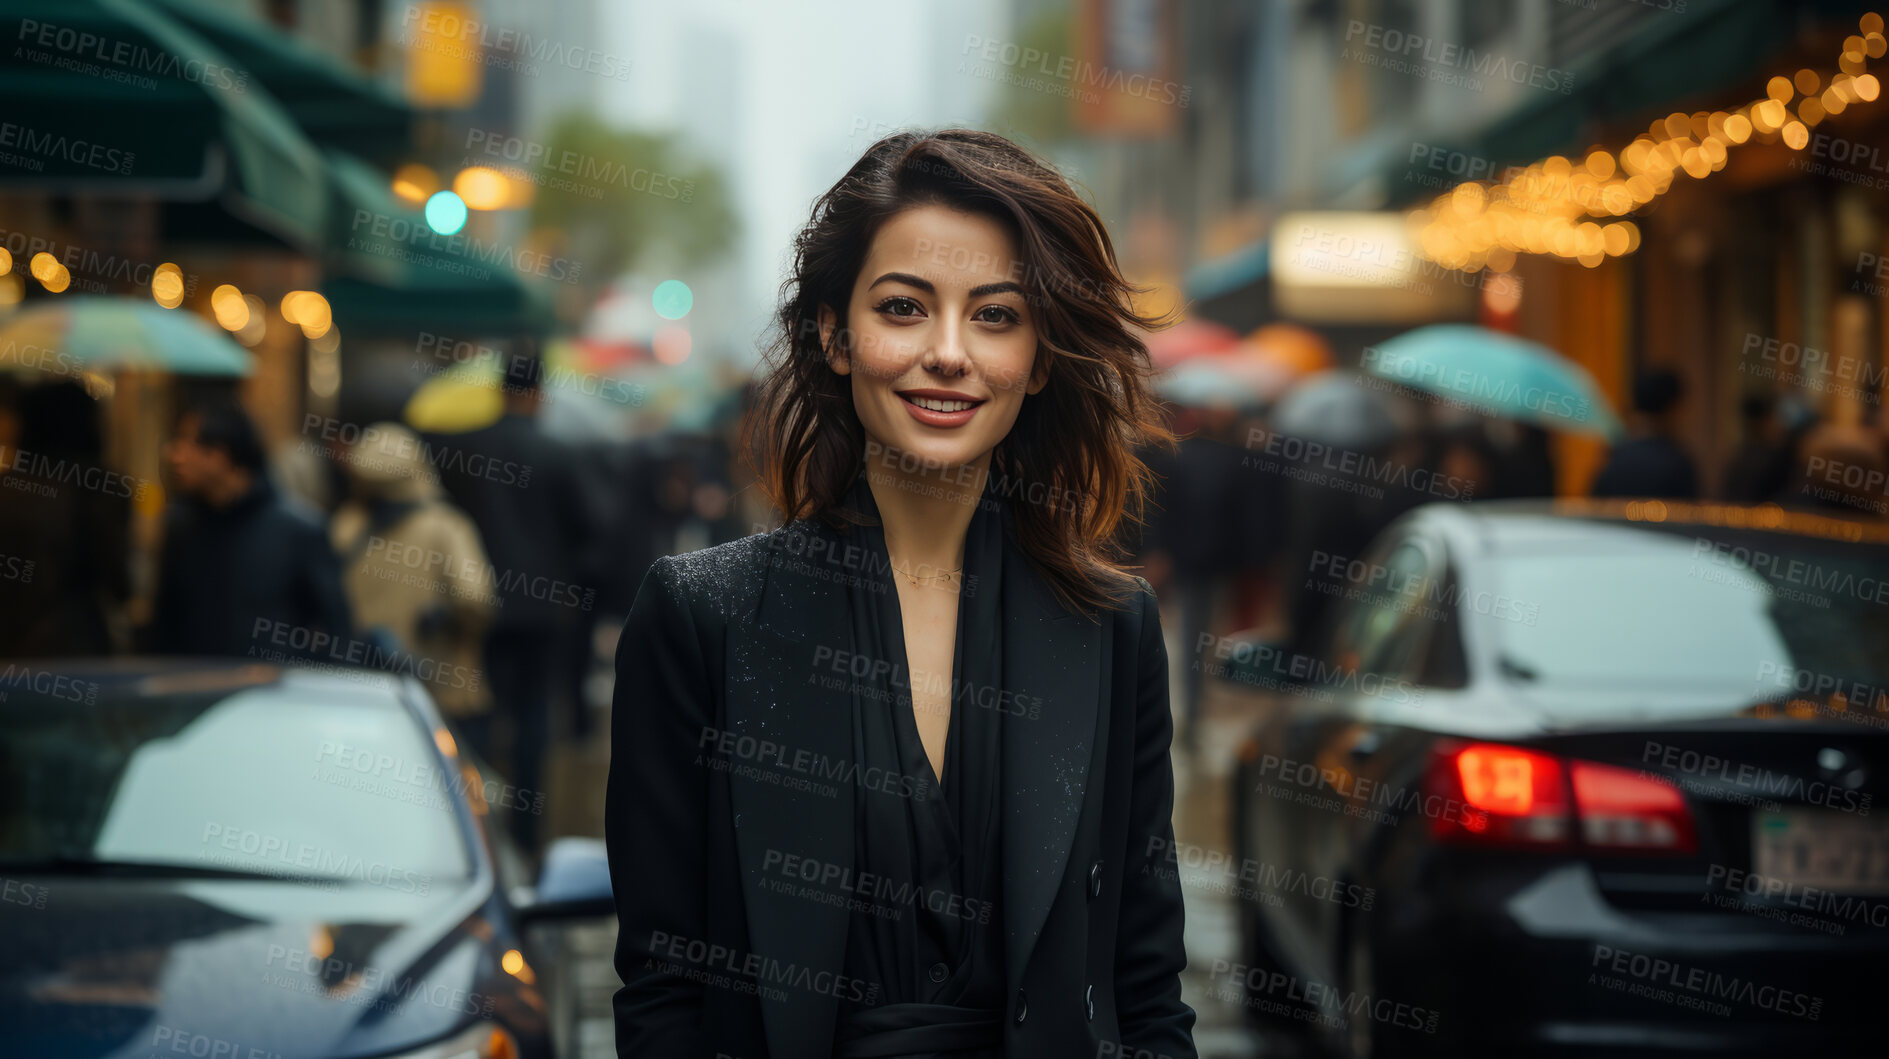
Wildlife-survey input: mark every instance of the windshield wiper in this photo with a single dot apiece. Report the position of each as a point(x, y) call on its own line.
point(65, 864)
point(1515, 671)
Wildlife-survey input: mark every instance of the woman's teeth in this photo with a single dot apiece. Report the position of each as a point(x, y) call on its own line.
point(934, 404)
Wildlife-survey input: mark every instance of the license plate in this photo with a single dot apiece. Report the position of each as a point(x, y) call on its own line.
point(1839, 852)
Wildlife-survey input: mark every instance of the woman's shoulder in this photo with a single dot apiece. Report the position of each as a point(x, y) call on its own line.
point(723, 580)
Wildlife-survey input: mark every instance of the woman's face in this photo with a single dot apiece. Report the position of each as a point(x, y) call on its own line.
point(943, 344)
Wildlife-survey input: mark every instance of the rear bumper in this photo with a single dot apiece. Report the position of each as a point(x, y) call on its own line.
point(1539, 963)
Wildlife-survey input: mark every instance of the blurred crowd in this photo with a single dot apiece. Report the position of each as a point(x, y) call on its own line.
point(502, 594)
point(1246, 506)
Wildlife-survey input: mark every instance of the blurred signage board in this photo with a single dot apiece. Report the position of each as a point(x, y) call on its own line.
point(1122, 80)
point(445, 44)
point(1346, 267)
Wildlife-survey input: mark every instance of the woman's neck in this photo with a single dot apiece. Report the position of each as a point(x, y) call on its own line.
point(926, 513)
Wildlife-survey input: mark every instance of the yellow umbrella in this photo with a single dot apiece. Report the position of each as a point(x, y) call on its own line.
point(463, 397)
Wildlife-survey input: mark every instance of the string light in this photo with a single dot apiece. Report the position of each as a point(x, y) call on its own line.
point(1570, 208)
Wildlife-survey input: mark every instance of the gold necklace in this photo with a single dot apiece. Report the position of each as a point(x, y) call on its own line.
point(916, 578)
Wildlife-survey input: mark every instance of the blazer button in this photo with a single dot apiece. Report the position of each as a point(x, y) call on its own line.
point(1023, 1006)
point(1088, 998)
point(1095, 881)
point(737, 820)
point(939, 972)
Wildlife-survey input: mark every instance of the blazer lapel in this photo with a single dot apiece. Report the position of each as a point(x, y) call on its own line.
point(1056, 657)
point(802, 730)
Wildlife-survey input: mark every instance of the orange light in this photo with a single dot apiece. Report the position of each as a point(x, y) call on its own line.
point(1498, 779)
point(483, 188)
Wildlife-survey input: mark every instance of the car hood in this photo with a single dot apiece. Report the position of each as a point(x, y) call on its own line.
point(263, 969)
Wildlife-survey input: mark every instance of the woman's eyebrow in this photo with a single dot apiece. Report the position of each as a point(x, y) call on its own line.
point(983, 291)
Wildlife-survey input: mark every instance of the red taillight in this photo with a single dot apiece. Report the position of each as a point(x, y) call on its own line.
point(1495, 795)
point(1630, 811)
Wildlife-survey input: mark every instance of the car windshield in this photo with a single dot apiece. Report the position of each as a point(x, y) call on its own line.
point(1776, 614)
point(334, 784)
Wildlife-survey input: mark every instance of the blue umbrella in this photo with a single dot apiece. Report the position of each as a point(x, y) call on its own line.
point(1495, 373)
point(116, 334)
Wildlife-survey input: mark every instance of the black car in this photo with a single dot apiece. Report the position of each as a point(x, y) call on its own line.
point(257, 862)
point(1575, 777)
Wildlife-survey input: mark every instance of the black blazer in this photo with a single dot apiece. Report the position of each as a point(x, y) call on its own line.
point(730, 742)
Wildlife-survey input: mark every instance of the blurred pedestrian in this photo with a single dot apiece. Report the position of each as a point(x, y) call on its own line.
point(415, 573)
point(522, 490)
point(1651, 462)
point(67, 515)
point(1760, 469)
point(1197, 535)
point(245, 571)
point(1524, 462)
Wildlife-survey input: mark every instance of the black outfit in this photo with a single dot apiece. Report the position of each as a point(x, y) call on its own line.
point(1648, 466)
point(257, 578)
point(734, 748)
point(521, 489)
point(931, 937)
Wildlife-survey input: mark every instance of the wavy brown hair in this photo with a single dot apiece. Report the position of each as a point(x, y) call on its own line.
point(1072, 453)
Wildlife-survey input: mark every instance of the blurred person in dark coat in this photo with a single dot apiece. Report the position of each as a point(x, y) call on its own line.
point(64, 526)
point(1760, 469)
point(522, 490)
point(1197, 535)
point(1651, 462)
point(414, 571)
point(245, 570)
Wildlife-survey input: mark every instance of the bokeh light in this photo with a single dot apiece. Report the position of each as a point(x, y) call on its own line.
point(446, 213)
point(673, 299)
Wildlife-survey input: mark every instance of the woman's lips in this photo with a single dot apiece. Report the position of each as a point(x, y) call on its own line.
point(939, 419)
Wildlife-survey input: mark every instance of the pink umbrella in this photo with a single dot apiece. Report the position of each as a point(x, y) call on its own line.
point(1189, 339)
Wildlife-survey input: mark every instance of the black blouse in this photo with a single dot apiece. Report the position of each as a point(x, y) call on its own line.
point(927, 929)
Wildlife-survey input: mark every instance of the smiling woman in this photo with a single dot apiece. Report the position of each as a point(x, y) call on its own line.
point(821, 845)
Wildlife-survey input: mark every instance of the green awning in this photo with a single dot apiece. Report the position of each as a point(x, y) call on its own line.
point(389, 273)
point(113, 96)
point(334, 104)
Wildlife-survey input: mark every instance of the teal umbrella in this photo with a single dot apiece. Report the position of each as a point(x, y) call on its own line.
point(1495, 373)
point(114, 334)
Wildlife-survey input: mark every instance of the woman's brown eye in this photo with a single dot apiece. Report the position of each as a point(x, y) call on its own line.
point(996, 314)
point(898, 307)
